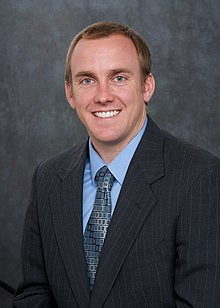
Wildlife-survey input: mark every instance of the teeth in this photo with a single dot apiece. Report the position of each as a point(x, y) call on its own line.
point(107, 114)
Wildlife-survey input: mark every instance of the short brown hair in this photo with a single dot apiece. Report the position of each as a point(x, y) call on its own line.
point(105, 29)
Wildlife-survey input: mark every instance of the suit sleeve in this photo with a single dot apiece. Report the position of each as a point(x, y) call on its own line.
point(197, 271)
point(33, 290)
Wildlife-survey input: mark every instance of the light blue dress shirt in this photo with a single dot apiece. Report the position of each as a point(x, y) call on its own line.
point(118, 168)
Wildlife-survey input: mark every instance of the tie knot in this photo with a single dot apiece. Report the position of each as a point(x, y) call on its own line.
point(104, 178)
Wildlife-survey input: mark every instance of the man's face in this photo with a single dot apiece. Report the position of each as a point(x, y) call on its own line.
point(106, 90)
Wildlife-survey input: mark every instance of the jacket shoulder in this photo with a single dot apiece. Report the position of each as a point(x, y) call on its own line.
point(63, 162)
point(184, 155)
point(178, 150)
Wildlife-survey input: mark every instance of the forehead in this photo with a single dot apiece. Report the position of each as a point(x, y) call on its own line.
point(115, 48)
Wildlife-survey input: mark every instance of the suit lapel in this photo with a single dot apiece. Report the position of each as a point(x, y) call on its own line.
point(135, 203)
point(66, 208)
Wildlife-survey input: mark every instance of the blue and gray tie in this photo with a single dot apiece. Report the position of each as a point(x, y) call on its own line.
point(99, 220)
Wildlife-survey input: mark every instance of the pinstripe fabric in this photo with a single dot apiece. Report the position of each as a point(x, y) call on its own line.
point(163, 244)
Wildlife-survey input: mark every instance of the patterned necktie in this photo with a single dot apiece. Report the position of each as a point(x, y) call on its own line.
point(99, 220)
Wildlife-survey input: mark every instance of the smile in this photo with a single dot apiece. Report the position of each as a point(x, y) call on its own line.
point(107, 114)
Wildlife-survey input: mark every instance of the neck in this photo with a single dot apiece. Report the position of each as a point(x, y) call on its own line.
point(108, 151)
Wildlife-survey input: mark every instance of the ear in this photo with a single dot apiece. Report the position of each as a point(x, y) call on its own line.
point(149, 87)
point(69, 94)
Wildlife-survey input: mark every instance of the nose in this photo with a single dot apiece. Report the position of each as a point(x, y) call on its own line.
point(103, 94)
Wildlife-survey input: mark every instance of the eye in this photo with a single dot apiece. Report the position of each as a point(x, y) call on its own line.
point(87, 81)
point(119, 78)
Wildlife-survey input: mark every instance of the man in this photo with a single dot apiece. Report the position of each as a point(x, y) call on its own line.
point(160, 245)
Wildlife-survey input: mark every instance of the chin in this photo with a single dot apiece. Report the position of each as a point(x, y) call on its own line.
point(106, 139)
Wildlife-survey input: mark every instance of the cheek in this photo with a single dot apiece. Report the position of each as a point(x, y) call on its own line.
point(126, 96)
point(132, 98)
point(81, 100)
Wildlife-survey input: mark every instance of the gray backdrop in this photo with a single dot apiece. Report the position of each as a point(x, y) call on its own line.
point(36, 120)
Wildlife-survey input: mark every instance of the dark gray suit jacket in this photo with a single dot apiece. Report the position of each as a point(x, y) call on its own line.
point(163, 244)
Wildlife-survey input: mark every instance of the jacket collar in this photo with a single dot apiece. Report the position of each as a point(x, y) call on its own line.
point(149, 154)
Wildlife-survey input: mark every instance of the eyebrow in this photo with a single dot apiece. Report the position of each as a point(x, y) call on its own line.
point(84, 73)
point(120, 70)
point(91, 74)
